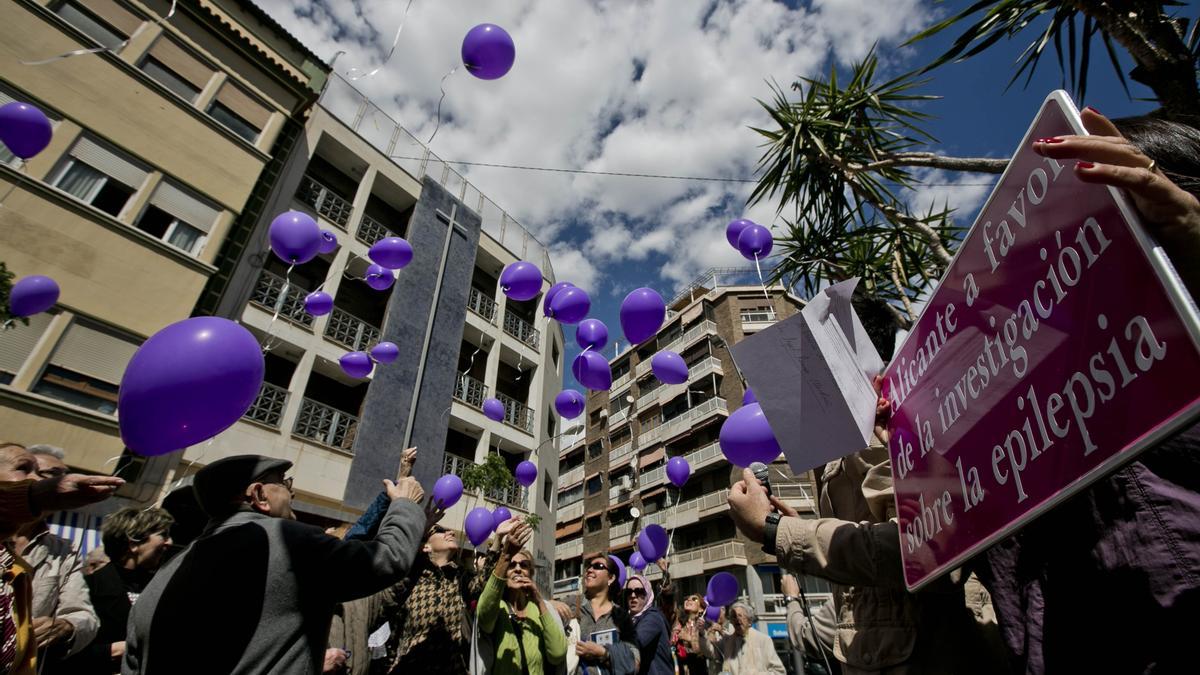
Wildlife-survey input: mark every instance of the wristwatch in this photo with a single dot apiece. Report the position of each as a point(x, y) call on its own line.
point(789, 599)
point(769, 531)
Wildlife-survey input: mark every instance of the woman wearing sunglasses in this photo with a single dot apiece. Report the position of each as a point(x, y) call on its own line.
point(606, 641)
point(527, 639)
point(686, 636)
point(650, 628)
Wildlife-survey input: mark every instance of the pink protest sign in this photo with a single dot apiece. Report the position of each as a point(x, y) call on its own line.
point(1058, 345)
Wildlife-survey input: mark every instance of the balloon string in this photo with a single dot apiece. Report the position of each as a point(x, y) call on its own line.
point(439, 108)
point(98, 50)
point(395, 41)
point(268, 343)
point(674, 514)
point(760, 280)
point(179, 481)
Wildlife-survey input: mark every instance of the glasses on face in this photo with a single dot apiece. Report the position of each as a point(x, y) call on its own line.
point(598, 566)
point(521, 565)
point(635, 592)
point(438, 529)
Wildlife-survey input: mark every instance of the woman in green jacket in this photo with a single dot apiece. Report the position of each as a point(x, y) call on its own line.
point(527, 639)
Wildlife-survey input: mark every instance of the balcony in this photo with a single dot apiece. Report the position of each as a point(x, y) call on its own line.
point(725, 554)
point(653, 477)
point(619, 417)
point(704, 367)
point(796, 495)
point(273, 294)
point(648, 437)
point(325, 425)
point(754, 321)
point(691, 510)
point(571, 477)
point(516, 414)
point(482, 304)
point(516, 495)
point(622, 380)
point(565, 586)
point(704, 456)
point(268, 407)
point(569, 549)
point(329, 204)
point(647, 398)
point(692, 417)
point(350, 331)
point(470, 391)
point(570, 512)
point(620, 452)
point(371, 231)
point(521, 329)
point(684, 341)
point(620, 533)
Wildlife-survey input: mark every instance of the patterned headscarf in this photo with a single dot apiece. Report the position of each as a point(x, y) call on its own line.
point(649, 594)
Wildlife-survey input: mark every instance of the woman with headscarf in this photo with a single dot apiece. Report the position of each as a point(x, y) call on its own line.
point(686, 637)
point(650, 628)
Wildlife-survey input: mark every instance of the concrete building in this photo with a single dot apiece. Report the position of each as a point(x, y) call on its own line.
point(613, 483)
point(461, 340)
point(161, 148)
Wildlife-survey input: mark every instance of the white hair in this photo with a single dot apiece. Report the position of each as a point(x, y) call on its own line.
point(745, 607)
point(43, 449)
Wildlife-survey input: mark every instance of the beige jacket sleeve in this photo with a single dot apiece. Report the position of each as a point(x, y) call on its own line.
point(844, 552)
point(75, 604)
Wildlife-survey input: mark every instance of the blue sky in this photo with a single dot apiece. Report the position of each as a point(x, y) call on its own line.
point(666, 88)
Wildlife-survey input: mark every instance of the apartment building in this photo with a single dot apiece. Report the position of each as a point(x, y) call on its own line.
point(613, 483)
point(161, 145)
point(461, 339)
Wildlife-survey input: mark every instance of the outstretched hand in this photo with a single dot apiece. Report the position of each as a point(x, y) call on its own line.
point(72, 491)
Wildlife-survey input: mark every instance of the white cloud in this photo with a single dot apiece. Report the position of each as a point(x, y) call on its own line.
point(963, 192)
point(643, 87)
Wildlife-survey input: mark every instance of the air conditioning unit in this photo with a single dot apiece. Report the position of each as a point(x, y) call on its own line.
point(626, 482)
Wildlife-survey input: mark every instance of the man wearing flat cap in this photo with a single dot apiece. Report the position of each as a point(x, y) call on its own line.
point(254, 594)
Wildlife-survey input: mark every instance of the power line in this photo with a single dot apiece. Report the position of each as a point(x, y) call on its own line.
point(712, 179)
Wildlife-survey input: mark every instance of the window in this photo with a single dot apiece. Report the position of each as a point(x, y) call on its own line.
point(95, 175)
point(594, 417)
point(620, 369)
point(593, 524)
point(86, 367)
point(594, 450)
point(105, 21)
point(760, 313)
point(177, 217)
point(568, 497)
point(167, 77)
point(17, 343)
point(547, 490)
point(176, 69)
point(594, 484)
point(237, 110)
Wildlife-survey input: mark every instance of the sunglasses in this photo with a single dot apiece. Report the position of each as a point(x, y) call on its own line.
point(635, 592)
point(598, 566)
point(438, 529)
point(521, 565)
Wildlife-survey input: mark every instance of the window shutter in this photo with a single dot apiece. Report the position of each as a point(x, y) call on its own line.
point(191, 210)
point(181, 62)
point(102, 159)
point(114, 14)
point(18, 342)
point(92, 352)
point(232, 97)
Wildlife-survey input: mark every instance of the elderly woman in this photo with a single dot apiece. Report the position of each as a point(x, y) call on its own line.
point(745, 650)
point(527, 639)
point(650, 628)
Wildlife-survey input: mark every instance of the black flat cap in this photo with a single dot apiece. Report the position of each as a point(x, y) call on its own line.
point(221, 482)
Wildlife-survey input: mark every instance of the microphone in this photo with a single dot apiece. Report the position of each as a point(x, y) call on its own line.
point(763, 474)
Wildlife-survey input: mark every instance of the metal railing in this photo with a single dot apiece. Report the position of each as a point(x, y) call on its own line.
point(647, 437)
point(620, 452)
point(482, 304)
point(683, 341)
point(620, 532)
point(703, 367)
point(334, 207)
point(326, 425)
point(622, 380)
point(516, 495)
point(618, 417)
point(648, 397)
point(695, 414)
point(268, 407)
point(652, 477)
point(570, 512)
point(343, 101)
point(726, 551)
point(274, 294)
point(350, 331)
point(521, 329)
point(371, 230)
point(568, 549)
point(571, 477)
point(566, 585)
point(516, 413)
point(703, 456)
point(470, 391)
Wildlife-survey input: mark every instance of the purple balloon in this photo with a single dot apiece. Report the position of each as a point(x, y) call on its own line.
point(747, 438)
point(550, 295)
point(493, 409)
point(621, 573)
point(734, 229)
point(569, 403)
point(755, 242)
point(749, 397)
point(500, 515)
point(385, 352)
point(521, 280)
point(447, 491)
point(478, 525)
point(379, 277)
point(669, 367)
point(678, 471)
point(591, 370)
point(652, 542)
point(526, 473)
point(187, 383)
point(591, 333)
point(356, 364)
point(318, 303)
point(488, 51)
point(295, 237)
point(722, 589)
point(642, 314)
point(637, 562)
point(33, 294)
point(570, 305)
point(391, 252)
point(329, 242)
point(24, 129)
point(712, 613)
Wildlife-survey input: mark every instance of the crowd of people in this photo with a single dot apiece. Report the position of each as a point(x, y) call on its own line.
point(1106, 582)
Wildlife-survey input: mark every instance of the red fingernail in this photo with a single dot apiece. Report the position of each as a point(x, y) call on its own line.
point(1051, 139)
point(1084, 165)
point(1094, 110)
